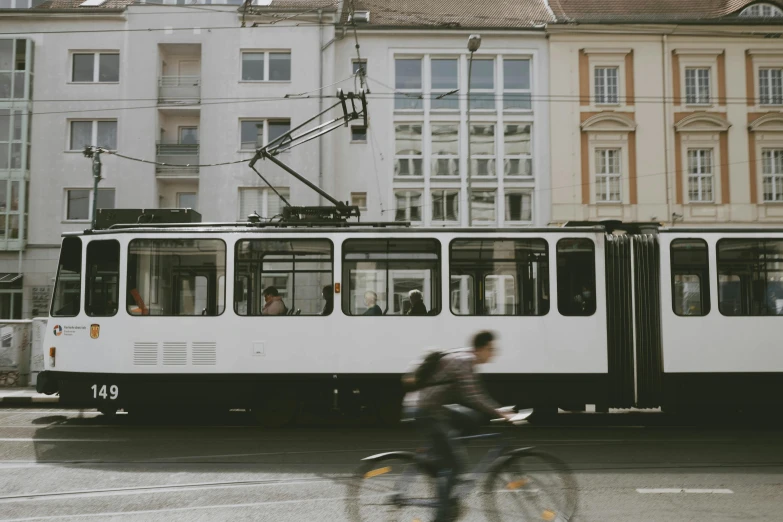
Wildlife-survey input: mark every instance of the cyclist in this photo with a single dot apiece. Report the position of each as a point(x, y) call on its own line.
point(450, 402)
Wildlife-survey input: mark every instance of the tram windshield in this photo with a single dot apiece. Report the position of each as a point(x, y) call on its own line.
point(68, 287)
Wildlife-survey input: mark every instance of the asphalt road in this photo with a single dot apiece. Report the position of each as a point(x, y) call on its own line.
point(70, 465)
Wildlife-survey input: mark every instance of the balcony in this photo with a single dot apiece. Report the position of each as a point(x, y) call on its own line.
point(178, 156)
point(179, 90)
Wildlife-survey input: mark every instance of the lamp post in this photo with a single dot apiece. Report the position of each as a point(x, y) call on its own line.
point(474, 42)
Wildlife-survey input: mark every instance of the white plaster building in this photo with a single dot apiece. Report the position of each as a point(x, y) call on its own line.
point(187, 84)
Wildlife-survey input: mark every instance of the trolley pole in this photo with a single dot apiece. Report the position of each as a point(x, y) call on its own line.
point(95, 154)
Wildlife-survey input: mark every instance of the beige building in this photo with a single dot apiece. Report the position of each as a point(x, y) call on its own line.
point(667, 111)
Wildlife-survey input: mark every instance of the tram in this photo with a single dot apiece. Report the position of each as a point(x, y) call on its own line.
point(611, 315)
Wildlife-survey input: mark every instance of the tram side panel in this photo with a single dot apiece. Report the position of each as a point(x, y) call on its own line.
point(722, 310)
point(230, 358)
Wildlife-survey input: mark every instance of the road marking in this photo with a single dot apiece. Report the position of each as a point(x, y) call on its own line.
point(32, 439)
point(162, 488)
point(683, 490)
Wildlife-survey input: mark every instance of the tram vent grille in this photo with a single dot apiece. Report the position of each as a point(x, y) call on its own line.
point(145, 354)
point(204, 354)
point(175, 354)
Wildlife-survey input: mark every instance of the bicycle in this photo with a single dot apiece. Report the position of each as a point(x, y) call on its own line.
point(521, 484)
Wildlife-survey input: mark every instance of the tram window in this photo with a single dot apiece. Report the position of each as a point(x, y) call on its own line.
point(382, 273)
point(690, 277)
point(512, 277)
point(103, 278)
point(175, 277)
point(750, 277)
point(68, 286)
point(298, 268)
point(576, 277)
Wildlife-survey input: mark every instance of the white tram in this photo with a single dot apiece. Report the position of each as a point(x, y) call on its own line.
point(146, 316)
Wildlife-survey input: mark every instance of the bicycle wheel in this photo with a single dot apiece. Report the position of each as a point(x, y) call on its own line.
point(530, 486)
point(391, 489)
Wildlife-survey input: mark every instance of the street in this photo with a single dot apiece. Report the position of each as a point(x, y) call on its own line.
point(70, 465)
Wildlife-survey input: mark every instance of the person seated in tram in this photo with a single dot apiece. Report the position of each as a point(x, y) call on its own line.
point(370, 299)
point(274, 303)
point(328, 294)
point(417, 303)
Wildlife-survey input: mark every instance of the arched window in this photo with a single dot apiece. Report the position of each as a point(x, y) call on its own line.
point(761, 11)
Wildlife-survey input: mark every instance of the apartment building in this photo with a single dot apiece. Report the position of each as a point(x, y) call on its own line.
point(667, 111)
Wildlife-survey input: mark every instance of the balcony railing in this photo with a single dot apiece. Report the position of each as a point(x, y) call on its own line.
point(181, 160)
point(179, 89)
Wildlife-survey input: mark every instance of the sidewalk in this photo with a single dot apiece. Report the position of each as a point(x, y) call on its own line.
point(13, 397)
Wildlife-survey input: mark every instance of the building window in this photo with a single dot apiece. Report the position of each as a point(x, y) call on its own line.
point(14, 144)
point(97, 133)
point(15, 67)
point(358, 134)
point(262, 201)
point(95, 68)
point(445, 206)
point(516, 84)
point(445, 149)
point(749, 275)
point(519, 206)
point(11, 209)
point(697, 86)
point(499, 277)
point(380, 274)
point(483, 206)
point(262, 66)
point(772, 170)
point(11, 304)
point(482, 150)
point(408, 205)
point(444, 84)
point(187, 200)
point(408, 84)
point(762, 11)
point(408, 150)
point(518, 159)
point(359, 199)
point(252, 132)
point(606, 86)
point(78, 203)
point(607, 175)
point(700, 175)
point(482, 85)
point(690, 277)
point(298, 268)
point(358, 64)
point(771, 86)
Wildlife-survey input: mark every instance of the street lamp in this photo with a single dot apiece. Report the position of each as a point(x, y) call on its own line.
point(474, 42)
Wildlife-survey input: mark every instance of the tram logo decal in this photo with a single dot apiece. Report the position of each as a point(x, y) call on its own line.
point(58, 330)
point(95, 330)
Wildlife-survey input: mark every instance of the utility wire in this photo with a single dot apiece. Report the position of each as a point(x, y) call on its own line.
point(162, 164)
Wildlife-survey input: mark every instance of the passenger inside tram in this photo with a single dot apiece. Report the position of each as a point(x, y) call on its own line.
point(328, 294)
point(417, 303)
point(370, 299)
point(274, 303)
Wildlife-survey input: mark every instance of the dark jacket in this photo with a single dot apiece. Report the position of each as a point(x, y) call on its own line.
point(373, 310)
point(417, 309)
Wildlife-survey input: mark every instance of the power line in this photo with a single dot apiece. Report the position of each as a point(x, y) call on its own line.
point(162, 164)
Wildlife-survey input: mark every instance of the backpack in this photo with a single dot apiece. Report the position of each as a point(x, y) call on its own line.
point(420, 377)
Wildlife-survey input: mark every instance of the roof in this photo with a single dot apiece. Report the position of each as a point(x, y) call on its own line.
point(453, 13)
point(281, 5)
point(656, 11)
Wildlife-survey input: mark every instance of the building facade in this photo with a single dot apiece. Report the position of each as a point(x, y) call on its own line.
point(670, 116)
point(574, 110)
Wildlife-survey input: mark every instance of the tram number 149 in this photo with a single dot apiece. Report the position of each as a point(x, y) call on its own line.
point(104, 392)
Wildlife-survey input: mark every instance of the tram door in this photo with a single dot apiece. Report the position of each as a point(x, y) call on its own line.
point(635, 351)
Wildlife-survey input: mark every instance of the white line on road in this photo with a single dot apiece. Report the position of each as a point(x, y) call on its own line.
point(157, 489)
point(174, 510)
point(683, 490)
point(32, 439)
